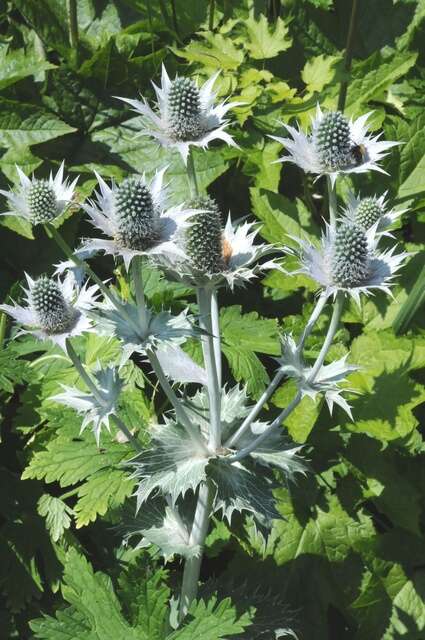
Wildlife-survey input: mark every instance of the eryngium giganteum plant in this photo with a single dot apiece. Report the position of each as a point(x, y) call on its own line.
point(212, 455)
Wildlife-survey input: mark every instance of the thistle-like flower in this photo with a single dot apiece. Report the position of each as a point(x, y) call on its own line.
point(335, 145)
point(325, 382)
point(40, 201)
point(96, 411)
point(367, 212)
point(349, 261)
point(134, 216)
point(55, 310)
point(215, 254)
point(185, 114)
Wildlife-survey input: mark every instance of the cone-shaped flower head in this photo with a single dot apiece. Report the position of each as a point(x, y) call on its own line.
point(40, 201)
point(204, 237)
point(370, 211)
point(335, 145)
point(134, 216)
point(349, 260)
point(185, 114)
point(215, 254)
point(56, 309)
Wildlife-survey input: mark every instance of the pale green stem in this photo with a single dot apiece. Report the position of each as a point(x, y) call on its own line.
point(3, 325)
point(274, 384)
point(192, 566)
point(333, 326)
point(73, 24)
point(215, 330)
point(333, 208)
point(52, 232)
point(214, 391)
point(181, 414)
point(137, 273)
point(191, 174)
point(211, 15)
point(348, 56)
point(97, 393)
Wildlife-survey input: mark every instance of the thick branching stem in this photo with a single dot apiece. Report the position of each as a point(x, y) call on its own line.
point(192, 566)
point(91, 385)
point(333, 326)
point(274, 384)
point(137, 273)
point(215, 330)
point(214, 391)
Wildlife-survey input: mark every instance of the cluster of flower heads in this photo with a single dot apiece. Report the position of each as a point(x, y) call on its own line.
point(190, 242)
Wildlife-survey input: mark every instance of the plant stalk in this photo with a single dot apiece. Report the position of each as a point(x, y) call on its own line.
point(192, 566)
point(211, 15)
point(73, 24)
point(137, 273)
point(348, 56)
point(3, 325)
point(214, 390)
point(333, 207)
point(215, 330)
point(191, 174)
point(333, 326)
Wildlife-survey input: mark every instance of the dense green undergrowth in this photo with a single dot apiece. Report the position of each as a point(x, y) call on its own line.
point(347, 558)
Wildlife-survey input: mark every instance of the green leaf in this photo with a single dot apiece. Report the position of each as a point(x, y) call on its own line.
point(18, 64)
point(265, 41)
point(69, 624)
point(103, 490)
point(212, 621)
point(244, 335)
point(219, 52)
point(23, 124)
point(319, 72)
point(57, 515)
point(411, 306)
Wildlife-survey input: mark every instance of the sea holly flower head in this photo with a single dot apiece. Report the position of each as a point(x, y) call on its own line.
point(135, 218)
point(55, 309)
point(335, 146)
point(185, 115)
point(349, 261)
point(370, 211)
point(217, 254)
point(40, 201)
point(96, 411)
point(326, 381)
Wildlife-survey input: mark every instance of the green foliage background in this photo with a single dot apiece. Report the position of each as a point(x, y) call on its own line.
point(346, 561)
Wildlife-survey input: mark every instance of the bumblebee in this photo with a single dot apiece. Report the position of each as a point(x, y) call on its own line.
point(358, 154)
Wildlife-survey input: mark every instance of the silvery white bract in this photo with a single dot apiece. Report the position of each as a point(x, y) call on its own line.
point(160, 524)
point(77, 272)
point(135, 218)
point(55, 309)
point(40, 201)
point(162, 328)
point(239, 259)
point(335, 146)
point(366, 268)
point(369, 211)
point(325, 382)
point(185, 114)
point(95, 411)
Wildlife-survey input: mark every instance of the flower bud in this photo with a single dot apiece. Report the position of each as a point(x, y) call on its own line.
point(135, 215)
point(204, 243)
point(50, 306)
point(41, 200)
point(332, 140)
point(368, 212)
point(184, 110)
point(350, 258)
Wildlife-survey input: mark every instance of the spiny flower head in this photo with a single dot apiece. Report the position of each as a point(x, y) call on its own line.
point(185, 114)
point(204, 237)
point(350, 259)
point(53, 313)
point(135, 214)
point(40, 201)
point(55, 309)
point(335, 145)
point(332, 139)
point(184, 110)
point(368, 212)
